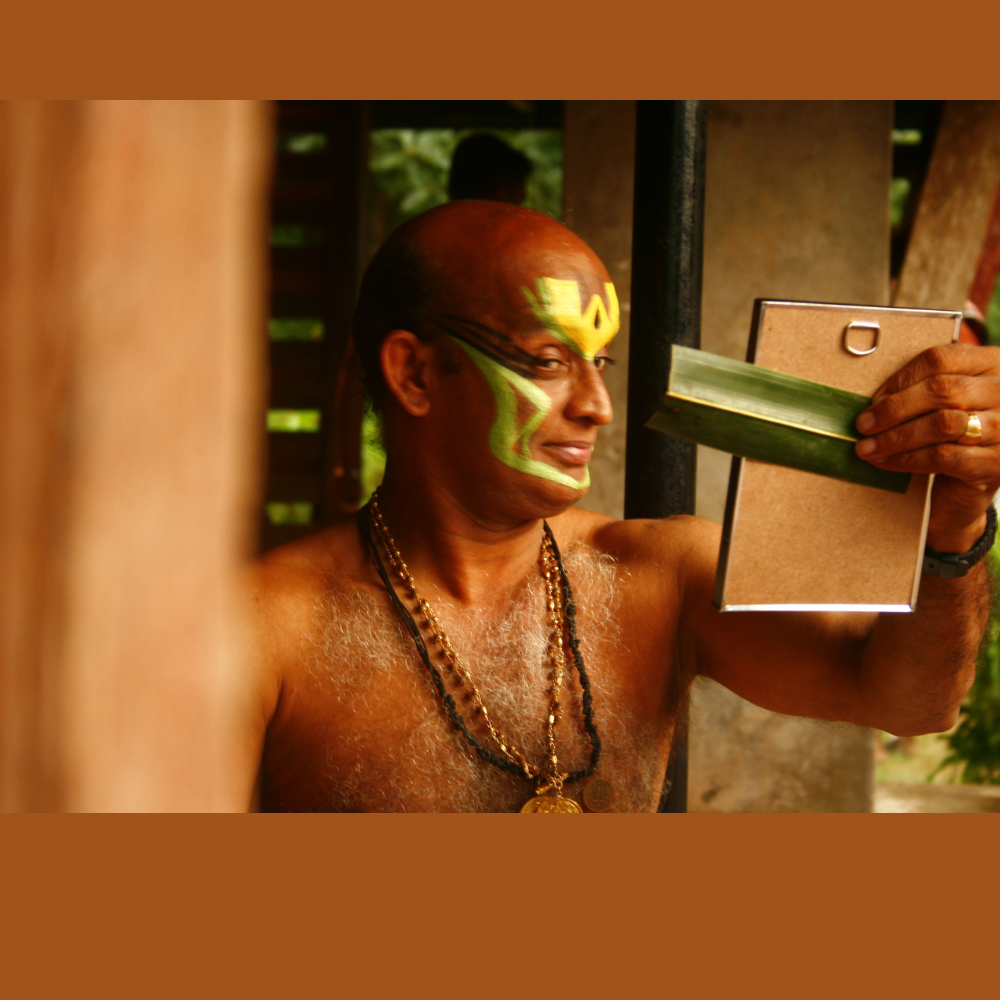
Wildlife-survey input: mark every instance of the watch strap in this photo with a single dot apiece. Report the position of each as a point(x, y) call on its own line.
point(949, 565)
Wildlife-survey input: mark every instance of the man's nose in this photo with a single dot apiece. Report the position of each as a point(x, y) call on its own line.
point(590, 399)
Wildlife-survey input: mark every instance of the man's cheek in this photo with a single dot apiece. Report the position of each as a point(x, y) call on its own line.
point(527, 411)
point(521, 408)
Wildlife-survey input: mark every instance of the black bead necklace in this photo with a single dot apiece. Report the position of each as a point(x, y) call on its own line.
point(365, 517)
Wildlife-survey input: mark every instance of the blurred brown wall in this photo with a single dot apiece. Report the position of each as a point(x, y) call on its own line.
point(132, 285)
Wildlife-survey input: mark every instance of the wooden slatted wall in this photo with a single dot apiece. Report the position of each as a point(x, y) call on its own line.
point(315, 237)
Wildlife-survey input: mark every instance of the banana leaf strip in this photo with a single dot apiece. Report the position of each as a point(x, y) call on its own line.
point(768, 416)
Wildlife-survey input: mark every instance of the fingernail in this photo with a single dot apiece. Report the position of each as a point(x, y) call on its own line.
point(865, 447)
point(865, 422)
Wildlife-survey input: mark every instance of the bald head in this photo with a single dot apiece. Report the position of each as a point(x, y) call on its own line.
point(471, 259)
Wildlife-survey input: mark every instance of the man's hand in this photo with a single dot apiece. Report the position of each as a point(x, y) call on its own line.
point(906, 674)
point(915, 424)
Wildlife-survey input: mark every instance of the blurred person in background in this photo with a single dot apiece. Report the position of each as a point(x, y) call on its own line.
point(486, 168)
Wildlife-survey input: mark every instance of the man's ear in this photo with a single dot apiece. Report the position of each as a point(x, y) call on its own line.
point(407, 369)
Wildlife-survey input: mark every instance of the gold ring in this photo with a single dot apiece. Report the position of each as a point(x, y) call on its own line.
point(973, 432)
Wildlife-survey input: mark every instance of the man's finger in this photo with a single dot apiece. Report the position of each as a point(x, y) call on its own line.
point(942, 391)
point(974, 465)
point(939, 427)
point(958, 359)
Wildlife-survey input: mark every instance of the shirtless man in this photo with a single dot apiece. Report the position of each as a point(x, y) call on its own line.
point(485, 331)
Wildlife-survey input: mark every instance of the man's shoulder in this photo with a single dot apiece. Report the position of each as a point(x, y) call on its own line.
point(638, 541)
point(666, 570)
point(287, 582)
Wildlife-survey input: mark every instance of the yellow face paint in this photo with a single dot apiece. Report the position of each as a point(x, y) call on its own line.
point(557, 308)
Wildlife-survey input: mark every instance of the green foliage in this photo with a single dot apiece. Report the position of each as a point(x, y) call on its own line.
point(289, 513)
point(993, 317)
point(974, 745)
point(910, 759)
point(898, 193)
point(293, 421)
point(544, 147)
point(308, 328)
point(372, 453)
point(285, 235)
point(302, 143)
point(411, 167)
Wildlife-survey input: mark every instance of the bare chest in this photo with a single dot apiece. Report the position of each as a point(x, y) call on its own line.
point(363, 727)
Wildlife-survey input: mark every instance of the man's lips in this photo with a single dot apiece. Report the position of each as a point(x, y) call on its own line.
point(571, 452)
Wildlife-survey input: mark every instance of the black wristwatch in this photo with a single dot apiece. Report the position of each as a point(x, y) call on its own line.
point(949, 565)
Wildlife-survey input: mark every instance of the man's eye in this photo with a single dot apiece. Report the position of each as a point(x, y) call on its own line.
point(549, 364)
point(602, 363)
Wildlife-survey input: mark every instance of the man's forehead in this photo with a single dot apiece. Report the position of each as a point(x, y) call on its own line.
point(509, 292)
point(522, 265)
point(585, 323)
point(517, 272)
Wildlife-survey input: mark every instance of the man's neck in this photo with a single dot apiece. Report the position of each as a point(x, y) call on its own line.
point(468, 555)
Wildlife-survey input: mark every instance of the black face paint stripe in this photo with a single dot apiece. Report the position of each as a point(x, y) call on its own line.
point(483, 327)
point(495, 345)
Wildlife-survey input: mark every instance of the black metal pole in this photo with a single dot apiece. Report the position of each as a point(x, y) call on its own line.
point(666, 309)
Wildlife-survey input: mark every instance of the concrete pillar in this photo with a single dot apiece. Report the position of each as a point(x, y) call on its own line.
point(797, 207)
point(599, 143)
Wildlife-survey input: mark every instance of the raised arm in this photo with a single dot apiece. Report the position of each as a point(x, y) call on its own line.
point(902, 673)
point(906, 674)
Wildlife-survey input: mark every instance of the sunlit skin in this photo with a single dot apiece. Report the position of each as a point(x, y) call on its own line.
point(469, 526)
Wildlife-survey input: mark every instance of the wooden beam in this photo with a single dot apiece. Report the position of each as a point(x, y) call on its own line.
point(985, 281)
point(956, 205)
point(132, 267)
point(324, 191)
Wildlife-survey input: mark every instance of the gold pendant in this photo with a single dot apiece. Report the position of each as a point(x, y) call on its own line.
point(599, 795)
point(550, 804)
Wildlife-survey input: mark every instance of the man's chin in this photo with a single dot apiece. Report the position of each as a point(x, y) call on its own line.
point(548, 497)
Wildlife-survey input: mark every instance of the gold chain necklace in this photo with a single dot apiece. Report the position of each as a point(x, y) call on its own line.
point(548, 792)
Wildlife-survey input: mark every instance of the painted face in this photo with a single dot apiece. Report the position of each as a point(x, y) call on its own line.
point(511, 372)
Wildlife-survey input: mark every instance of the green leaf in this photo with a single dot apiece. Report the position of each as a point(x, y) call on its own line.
point(768, 416)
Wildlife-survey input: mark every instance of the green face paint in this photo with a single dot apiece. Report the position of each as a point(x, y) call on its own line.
point(509, 443)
